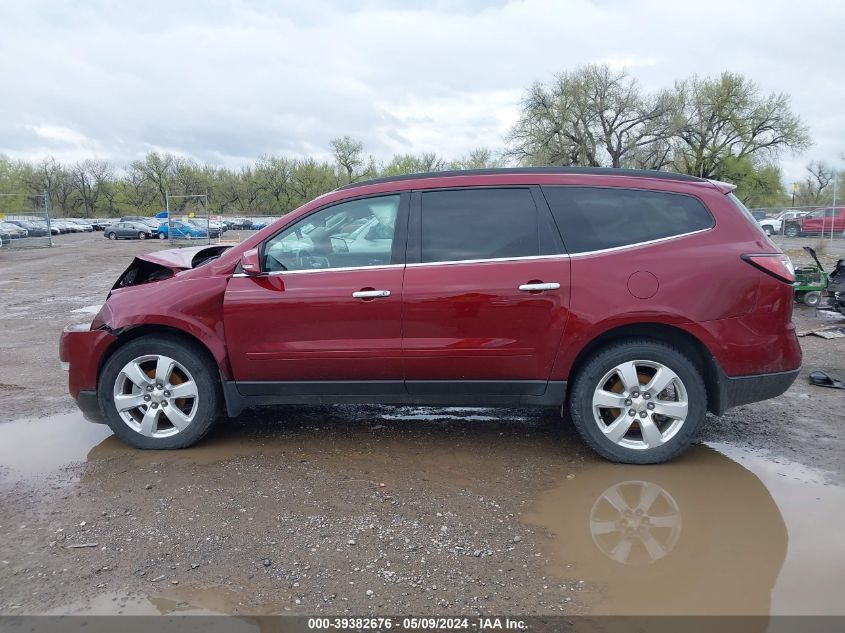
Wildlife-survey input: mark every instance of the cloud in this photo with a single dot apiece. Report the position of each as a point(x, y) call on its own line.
point(228, 81)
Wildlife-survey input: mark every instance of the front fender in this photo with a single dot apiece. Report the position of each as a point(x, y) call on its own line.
point(190, 305)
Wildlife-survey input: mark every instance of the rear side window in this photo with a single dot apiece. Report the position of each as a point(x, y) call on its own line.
point(594, 218)
point(468, 224)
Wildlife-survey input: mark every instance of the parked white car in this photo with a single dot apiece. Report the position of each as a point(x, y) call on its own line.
point(774, 225)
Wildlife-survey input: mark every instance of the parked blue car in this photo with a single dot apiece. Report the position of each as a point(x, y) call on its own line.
point(257, 225)
point(181, 230)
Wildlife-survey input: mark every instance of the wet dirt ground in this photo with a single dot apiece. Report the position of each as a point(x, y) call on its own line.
point(400, 510)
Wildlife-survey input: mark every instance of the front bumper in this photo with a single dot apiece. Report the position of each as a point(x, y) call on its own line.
point(738, 390)
point(80, 351)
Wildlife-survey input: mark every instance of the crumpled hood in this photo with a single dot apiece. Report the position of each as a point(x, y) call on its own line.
point(161, 265)
point(183, 258)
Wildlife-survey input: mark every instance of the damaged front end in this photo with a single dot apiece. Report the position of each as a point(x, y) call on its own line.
point(82, 348)
point(161, 265)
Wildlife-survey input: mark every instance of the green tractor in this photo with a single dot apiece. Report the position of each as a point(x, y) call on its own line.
point(810, 282)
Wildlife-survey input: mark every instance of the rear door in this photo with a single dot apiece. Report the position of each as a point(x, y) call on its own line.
point(486, 292)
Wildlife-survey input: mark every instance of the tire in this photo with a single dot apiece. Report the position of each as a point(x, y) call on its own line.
point(792, 231)
point(768, 231)
point(142, 235)
point(644, 437)
point(813, 298)
point(162, 236)
point(164, 421)
point(112, 236)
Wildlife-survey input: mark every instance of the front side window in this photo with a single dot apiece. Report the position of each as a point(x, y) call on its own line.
point(472, 224)
point(356, 233)
point(595, 218)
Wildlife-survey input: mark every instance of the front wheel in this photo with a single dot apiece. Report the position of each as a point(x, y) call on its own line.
point(792, 231)
point(112, 236)
point(768, 231)
point(638, 401)
point(162, 236)
point(159, 392)
point(142, 235)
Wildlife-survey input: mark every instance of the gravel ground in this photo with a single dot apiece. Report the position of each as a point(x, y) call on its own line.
point(317, 509)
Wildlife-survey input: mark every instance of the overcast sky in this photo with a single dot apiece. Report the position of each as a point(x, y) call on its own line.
point(228, 81)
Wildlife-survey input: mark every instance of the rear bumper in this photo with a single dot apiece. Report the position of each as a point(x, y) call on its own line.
point(737, 390)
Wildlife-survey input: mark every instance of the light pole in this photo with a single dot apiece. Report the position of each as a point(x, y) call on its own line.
point(794, 189)
point(833, 215)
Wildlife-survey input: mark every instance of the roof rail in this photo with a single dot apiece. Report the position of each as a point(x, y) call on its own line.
point(603, 171)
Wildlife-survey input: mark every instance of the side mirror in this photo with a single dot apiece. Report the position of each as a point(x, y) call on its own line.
point(250, 263)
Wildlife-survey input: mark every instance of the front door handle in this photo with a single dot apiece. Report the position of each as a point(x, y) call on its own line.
point(370, 294)
point(539, 287)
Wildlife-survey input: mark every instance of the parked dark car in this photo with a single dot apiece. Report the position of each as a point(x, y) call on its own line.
point(237, 223)
point(128, 231)
point(14, 231)
point(584, 290)
point(33, 229)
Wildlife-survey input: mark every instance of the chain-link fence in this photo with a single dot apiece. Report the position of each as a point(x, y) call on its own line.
point(25, 220)
point(824, 222)
point(187, 219)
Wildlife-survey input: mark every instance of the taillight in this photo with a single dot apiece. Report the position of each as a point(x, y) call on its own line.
point(777, 265)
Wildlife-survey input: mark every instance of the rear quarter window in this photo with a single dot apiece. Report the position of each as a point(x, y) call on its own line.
point(596, 218)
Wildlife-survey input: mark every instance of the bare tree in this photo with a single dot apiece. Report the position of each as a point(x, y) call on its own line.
point(728, 116)
point(349, 156)
point(138, 190)
point(592, 116)
point(158, 169)
point(89, 178)
point(479, 158)
point(813, 189)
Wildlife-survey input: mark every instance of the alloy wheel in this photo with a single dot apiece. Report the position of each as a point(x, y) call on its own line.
point(156, 396)
point(640, 404)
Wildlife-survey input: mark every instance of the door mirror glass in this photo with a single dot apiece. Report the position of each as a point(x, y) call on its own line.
point(250, 262)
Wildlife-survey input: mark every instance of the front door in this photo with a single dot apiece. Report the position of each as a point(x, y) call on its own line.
point(486, 293)
point(324, 315)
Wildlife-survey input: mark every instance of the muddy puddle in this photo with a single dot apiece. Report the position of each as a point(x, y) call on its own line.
point(35, 448)
point(718, 531)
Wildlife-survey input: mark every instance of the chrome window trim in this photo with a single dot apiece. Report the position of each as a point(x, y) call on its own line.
point(493, 259)
point(484, 261)
point(340, 269)
point(638, 244)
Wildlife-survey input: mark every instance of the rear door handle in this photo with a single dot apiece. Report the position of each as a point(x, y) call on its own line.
point(539, 287)
point(370, 294)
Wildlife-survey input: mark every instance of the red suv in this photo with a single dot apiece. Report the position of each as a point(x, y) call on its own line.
point(634, 301)
point(821, 221)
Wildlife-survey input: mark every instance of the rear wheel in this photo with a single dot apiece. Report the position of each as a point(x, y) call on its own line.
point(768, 230)
point(792, 231)
point(638, 402)
point(159, 392)
point(142, 235)
point(162, 236)
point(813, 298)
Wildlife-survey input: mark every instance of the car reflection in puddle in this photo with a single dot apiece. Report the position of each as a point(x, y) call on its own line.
point(700, 535)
